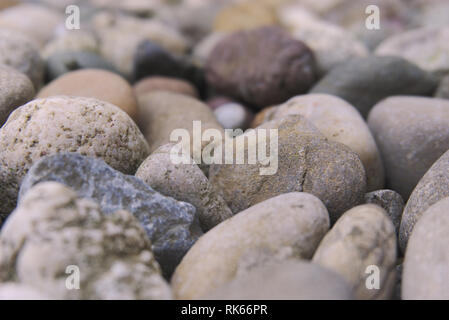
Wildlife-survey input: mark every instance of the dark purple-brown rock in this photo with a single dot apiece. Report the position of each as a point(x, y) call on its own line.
point(261, 67)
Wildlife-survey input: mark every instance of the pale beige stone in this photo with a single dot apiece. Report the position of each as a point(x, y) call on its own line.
point(287, 226)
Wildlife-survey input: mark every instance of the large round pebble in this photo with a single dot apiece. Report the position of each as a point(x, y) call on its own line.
point(305, 161)
point(291, 280)
point(340, 122)
point(95, 83)
point(425, 275)
point(16, 89)
point(411, 133)
point(363, 237)
point(433, 187)
point(84, 125)
point(287, 226)
point(261, 67)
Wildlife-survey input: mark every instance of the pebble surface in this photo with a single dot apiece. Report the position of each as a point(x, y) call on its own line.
point(132, 148)
point(84, 125)
point(362, 237)
point(172, 226)
point(427, 259)
point(287, 226)
point(53, 228)
point(230, 70)
point(307, 162)
point(412, 133)
point(103, 85)
point(432, 187)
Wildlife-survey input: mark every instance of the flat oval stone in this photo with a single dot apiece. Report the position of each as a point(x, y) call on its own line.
point(185, 182)
point(287, 226)
point(18, 52)
point(103, 85)
point(432, 187)
point(84, 125)
point(61, 63)
point(261, 67)
point(290, 280)
point(340, 122)
point(160, 115)
point(16, 89)
point(411, 133)
point(305, 161)
point(53, 228)
point(364, 236)
point(426, 261)
point(365, 81)
point(172, 226)
point(157, 83)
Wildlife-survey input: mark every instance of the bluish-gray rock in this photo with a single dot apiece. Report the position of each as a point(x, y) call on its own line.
point(365, 81)
point(63, 62)
point(390, 201)
point(172, 226)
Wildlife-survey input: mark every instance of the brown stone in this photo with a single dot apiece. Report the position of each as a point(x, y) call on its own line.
point(94, 83)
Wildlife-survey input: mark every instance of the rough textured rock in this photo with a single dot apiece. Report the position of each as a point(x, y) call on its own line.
point(245, 15)
point(103, 85)
point(159, 116)
point(306, 162)
point(427, 258)
point(261, 67)
point(36, 21)
point(172, 226)
point(18, 52)
point(15, 291)
point(263, 116)
point(157, 83)
point(287, 226)
point(233, 116)
point(16, 89)
point(411, 133)
point(426, 47)
point(362, 237)
point(84, 125)
point(61, 63)
point(185, 182)
point(443, 89)
point(53, 229)
point(432, 187)
point(71, 41)
point(153, 60)
point(291, 280)
point(365, 81)
point(340, 122)
point(391, 202)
